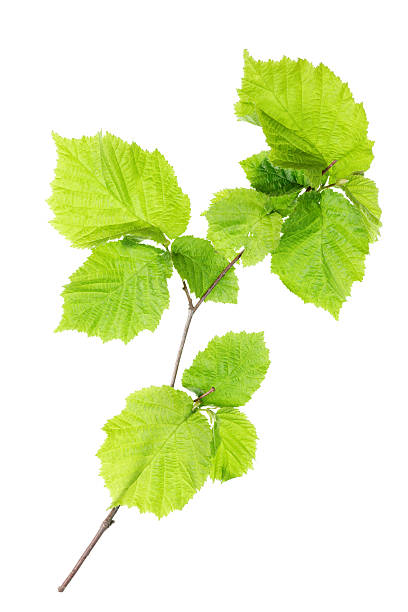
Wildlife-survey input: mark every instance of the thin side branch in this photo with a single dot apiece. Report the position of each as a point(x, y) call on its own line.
point(200, 397)
point(217, 280)
point(327, 186)
point(329, 166)
point(186, 291)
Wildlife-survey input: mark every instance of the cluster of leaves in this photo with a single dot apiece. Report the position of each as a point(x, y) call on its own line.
point(163, 446)
point(310, 204)
point(111, 196)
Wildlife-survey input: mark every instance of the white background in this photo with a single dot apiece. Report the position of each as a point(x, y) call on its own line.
point(321, 524)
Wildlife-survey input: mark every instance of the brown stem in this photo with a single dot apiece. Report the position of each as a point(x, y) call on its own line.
point(182, 343)
point(217, 280)
point(329, 166)
point(186, 291)
point(200, 397)
point(328, 186)
point(193, 309)
point(107, 522)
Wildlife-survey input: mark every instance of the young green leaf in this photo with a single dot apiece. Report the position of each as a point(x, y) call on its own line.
point(233, 446)
point(240, 218)
point(197, 262)
point(308, 116)
point(120, 290)
point(270, 179)
point(235, 364)
point(157, 451)
point(322, 249)
point(363, 192)
point(105, 188)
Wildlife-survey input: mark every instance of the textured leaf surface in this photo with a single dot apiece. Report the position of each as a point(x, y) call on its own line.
point(120, 290)
point(157, 452)
point(233, 446)
point(284, 205)
point(322, 249)
point(239, 218)
point(105, 188)
point(270, 179)
point(363, 192)
point(199, 264)
point(308, 116)
point(235, 364)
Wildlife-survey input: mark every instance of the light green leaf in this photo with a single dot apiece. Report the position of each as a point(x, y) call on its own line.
point(308, 116)
point(235, 364)
point(157, 451)
point(199, 264)
point(270, 179)
point(233, 446)
point(120, 290)
point(363, 192)
point(284, 205)
point(105, 188)
point(322, 249)
point(243, 218)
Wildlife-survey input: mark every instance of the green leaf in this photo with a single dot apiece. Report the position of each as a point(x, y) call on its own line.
point(322, 249)
point(270, 179)
point(120, 290)
point(105, 188)
point(235, 364)
point(233, 446)
point(197, 262)
point(157, 452)
point(284, 205)
point(243, 218)
point(308, 116)
point(363, 192)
